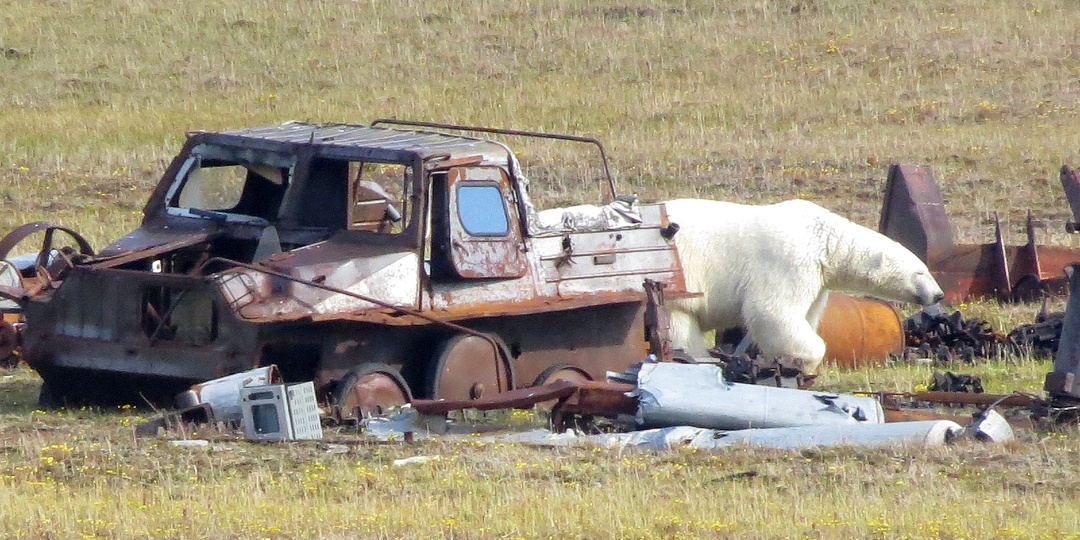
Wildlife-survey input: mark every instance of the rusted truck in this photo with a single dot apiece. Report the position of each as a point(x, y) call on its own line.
point(380, 262)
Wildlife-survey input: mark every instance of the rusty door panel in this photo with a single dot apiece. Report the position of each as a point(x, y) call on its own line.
point(484, 254)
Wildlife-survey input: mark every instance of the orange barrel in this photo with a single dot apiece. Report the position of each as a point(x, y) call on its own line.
point(860, 331)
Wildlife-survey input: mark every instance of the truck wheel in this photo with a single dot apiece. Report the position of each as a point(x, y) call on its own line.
point(561, 372)
point(370, 389)
point(466, 367)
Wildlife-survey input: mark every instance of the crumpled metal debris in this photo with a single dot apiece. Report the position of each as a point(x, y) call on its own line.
point(932, 333)
point(1042, 337)
point(621, 213)
point(953, 382)
point(990, 426)
point(223, 394)
point(782, 372)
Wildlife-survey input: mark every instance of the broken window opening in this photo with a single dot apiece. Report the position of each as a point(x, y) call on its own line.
point(186, 316)
point(377, 201)
point(231, 184)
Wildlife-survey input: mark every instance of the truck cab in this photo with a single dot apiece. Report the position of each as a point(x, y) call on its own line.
point(382, 263)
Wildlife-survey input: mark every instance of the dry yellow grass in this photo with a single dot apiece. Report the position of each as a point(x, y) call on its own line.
point(745, 100)
point(80, 473)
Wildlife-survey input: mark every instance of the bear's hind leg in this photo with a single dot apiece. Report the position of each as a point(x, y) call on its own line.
point(686, 333)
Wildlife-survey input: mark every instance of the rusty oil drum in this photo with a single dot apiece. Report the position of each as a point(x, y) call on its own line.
point(860, 331)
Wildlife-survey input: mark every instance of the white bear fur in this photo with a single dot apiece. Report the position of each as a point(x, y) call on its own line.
point(770, 268)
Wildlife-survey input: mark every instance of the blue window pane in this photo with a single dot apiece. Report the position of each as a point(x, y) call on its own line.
point(481, 211)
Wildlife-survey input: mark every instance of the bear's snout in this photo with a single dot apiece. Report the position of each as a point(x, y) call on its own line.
point(931, 295)
point(927, 289)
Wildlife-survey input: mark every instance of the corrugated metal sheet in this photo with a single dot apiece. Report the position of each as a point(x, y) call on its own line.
point(426, 143)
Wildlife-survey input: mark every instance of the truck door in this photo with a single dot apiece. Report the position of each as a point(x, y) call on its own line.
point(481, 231)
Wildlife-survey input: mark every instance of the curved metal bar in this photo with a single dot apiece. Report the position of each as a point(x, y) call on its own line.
point(20, 233)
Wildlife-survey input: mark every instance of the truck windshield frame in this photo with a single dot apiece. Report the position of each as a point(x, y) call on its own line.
point(232, 184)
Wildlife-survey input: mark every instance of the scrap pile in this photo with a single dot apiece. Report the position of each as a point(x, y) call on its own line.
point(1040, 338)
point(667, 405)
point(931, 333)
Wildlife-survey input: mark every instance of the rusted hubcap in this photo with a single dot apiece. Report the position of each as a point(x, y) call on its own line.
point(467, 367)
point(561, 372)
point(372, 390)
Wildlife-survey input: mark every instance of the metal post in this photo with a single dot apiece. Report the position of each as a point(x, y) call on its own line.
point(1061, 383)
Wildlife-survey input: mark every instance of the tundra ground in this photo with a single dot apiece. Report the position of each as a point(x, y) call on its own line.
point(743, 100)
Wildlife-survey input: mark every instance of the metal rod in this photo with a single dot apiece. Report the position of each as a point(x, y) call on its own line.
point(486, 337)
point(518, 132)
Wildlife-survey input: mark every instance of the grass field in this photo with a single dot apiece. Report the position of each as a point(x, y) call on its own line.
point(744, 100)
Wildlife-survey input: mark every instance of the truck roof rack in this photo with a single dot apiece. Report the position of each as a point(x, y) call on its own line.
point(517, 132)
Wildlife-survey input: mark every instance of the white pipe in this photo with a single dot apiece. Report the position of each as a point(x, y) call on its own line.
point(925, 433)
point(672, 394)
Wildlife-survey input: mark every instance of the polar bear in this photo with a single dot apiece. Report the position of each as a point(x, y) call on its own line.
point(770, 268)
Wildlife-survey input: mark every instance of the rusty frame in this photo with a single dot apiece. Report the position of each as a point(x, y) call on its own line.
point(515, 132)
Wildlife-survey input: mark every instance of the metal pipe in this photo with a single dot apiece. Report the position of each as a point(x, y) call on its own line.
point(928, 433)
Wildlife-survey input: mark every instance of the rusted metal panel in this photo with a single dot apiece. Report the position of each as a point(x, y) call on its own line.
point(1070, 181)
point(914, 215)
point(1062, 382)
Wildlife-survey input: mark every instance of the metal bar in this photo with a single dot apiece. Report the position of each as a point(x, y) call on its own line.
point(521, 398)
point(499, 353)
point(607, 275)
point(960, 398)
point(615, 251)
point(517, 132)
point(965, 398)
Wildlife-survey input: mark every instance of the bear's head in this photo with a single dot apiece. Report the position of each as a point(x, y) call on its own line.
point(895, 273)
